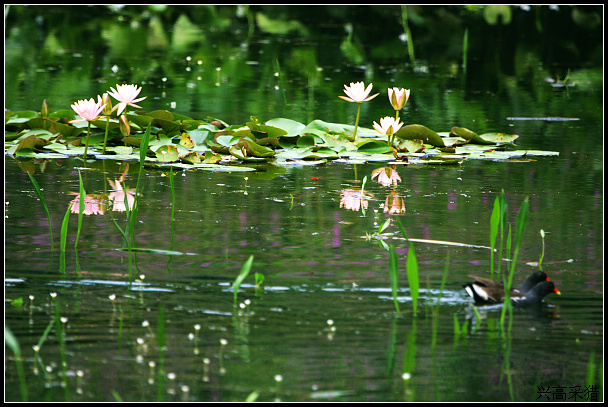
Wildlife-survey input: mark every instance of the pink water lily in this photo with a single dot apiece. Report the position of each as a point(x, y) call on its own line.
point(357, 92)
point(88, 110)
point(398, 97)
point(388, 125)
point(126, 95)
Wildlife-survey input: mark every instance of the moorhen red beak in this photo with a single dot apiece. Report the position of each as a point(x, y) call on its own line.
point(532, 291)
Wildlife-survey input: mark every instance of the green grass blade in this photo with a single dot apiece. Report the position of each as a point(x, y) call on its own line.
point(393, 272)
point(46, 209)
point(412, 275)
point(503, 220)
point(45, 334)
point(63, 236)
point(494, 222)
point(363, 194)
point(80, 207)
point(13, 344)
point(411, 266)
point(591, 370)
point(62, 241)
point(244, 272)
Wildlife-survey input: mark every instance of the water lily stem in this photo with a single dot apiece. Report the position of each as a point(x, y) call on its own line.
point(105, 139)
point(391, 138)
point(357, 121)
point(86, 146)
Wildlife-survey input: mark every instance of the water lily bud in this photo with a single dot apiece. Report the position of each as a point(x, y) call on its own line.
point(398, 97)
point(125, 128)
point(44, 110)
point(108, 102)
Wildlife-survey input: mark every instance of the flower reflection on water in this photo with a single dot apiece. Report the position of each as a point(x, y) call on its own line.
point(118, 197)
point(394, 203)
point(96, 204)
point(352, 199)
point(387, 176)
point(92, 204)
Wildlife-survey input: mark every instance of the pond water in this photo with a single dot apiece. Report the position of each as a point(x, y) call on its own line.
point(322, 325)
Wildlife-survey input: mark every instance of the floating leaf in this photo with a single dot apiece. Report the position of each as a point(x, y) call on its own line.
point(411, 146)
point(167, 153)
point(31, 142)
point(54, 127)
point(247, 150)
point(308, 140)
point(469, 136)
point(499, 138)
point(212, 158)
point(291, 127)
point(186, 141)
point(373, 147)
point(192, 157)
point(420, 132)
point(199, 136)
point(222, 168)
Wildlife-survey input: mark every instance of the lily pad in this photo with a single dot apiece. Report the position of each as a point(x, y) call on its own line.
point(222, 168)
point(420, 132)
point(373, 147)
point(499, 138)
point(167, 153)
point(192, 157)
point(411, 146)
point(291, 127)
point(470, 136)
point(247, 150)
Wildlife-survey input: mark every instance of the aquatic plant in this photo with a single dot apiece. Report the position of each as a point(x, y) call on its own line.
point(542, 253)
point(357, 93)
point(242, 275)
point(393, 272)
point(411, 268)
point(127, 96)
point(11, 341)
point(46, 209)
point(398, 98)
point(88, 111)
point(497, 219)
point(388, 126)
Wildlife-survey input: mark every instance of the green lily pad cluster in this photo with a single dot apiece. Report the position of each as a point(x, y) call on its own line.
point(177, 140)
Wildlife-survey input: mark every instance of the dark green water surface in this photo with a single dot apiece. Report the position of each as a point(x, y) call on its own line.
point(323, 326)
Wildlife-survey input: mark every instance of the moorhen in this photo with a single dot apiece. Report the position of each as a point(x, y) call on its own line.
point(485, 291)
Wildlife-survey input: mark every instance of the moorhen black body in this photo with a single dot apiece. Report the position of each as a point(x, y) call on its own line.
point(532, 291)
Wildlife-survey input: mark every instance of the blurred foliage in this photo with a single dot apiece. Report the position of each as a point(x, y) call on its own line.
point(558, 33)
point(224, 60)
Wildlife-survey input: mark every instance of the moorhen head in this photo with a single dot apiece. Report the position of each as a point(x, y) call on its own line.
point(485, 291)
